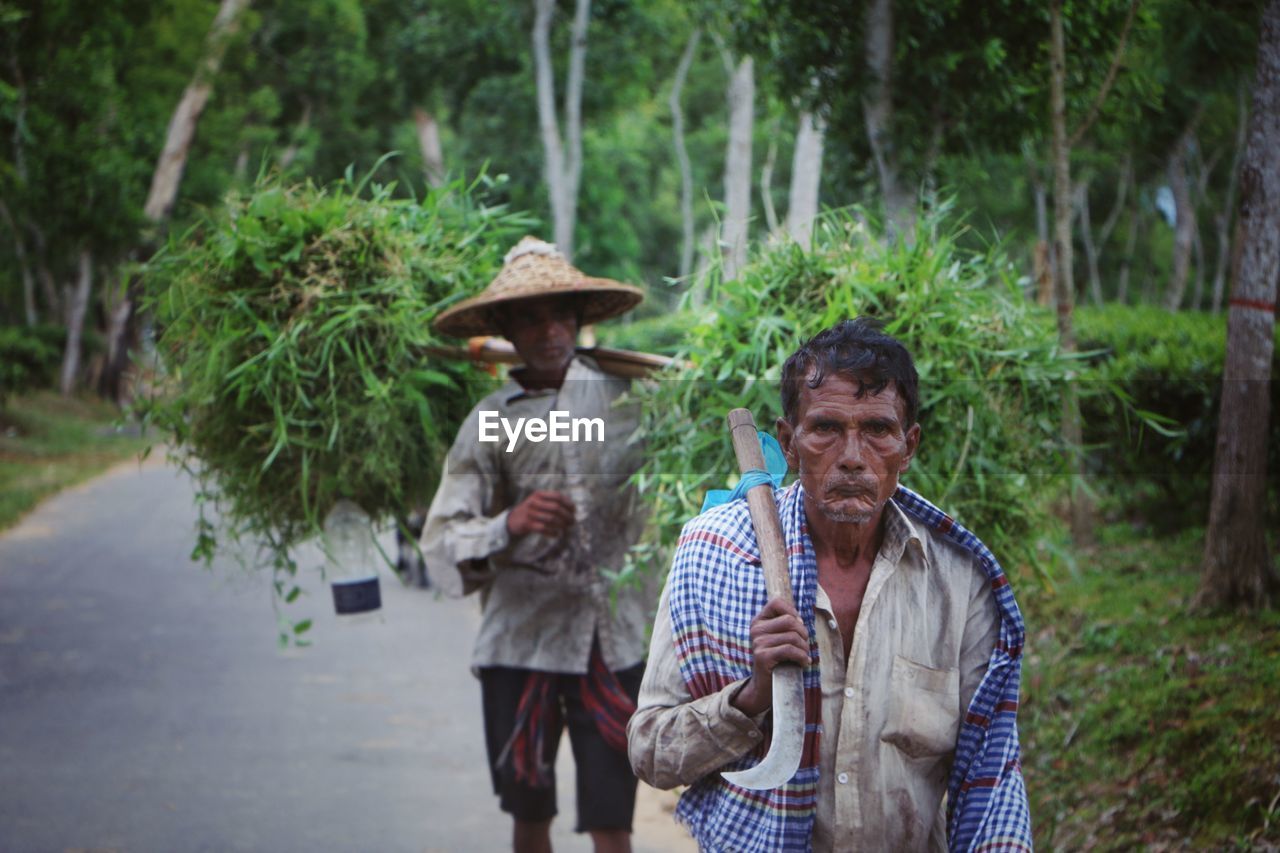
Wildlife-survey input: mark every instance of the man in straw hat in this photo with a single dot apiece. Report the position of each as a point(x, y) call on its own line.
point(534, 522)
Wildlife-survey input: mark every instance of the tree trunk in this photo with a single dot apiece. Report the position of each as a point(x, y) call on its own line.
point(1185, 222)
point(1113, 217)
point(291, 150)
point(429, 145)
point(708, 248)
point(737, 168)
point(241, 169)
point(877, 109)
point(77, 305)
point(766, 183)
point(20, 172)
point(1122, 194)
point(548, 123)
point(573, 116)
point(1064, 279)
point(1081, 203)
point(1148, 285)
point(19, 114)
point(682, 154)
point(1064, 285)
point(121, 335)
point(1042, 255)
point(1203, 176)
point(563, 159)
point(182, 126)
point(1130, 249)
point(1237, 563)
point(1197, 259)
point(1222, 221)
point(20, 256)
point(48, 286)
point(173, 159)
point(933, 153)
point(806, 178)
point(28, 292)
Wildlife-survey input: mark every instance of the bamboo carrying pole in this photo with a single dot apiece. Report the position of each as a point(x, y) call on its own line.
point(619, 362)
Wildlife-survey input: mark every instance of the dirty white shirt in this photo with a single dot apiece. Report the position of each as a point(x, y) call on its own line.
point(544, 598)
point(890, 714)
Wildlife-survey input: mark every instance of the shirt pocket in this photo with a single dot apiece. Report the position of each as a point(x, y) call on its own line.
point(923, 709)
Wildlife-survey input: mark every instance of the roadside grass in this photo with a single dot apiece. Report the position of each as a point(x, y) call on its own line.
point(1144, 725)
point(49, 442)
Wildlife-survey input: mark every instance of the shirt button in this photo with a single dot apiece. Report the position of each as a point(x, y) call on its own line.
point(832, 624)
point(843, 778)
point(848, 692)
point(755, 735)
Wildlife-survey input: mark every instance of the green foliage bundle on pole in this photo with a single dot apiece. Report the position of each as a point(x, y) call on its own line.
point(991, 375)
point(295, 325)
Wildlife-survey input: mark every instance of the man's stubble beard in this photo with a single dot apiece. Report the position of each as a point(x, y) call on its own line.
point(839, 517)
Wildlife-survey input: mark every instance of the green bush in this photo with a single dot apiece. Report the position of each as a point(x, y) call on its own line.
point(663, 334)
point(295, 324)
point(1169, 365)
point(29, 357)
point(991, 375)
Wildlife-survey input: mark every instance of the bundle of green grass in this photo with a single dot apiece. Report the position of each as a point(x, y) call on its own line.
point(295, 328)
point(991, 375)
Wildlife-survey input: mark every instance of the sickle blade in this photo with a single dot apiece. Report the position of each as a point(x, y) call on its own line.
point(783, 758)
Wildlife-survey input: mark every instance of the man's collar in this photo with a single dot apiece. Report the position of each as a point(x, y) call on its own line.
point(900, 533)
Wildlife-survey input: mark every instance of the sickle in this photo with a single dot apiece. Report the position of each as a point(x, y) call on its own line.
point(783, 758)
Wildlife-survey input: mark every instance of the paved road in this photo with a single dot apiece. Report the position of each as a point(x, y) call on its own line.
point(144, 705)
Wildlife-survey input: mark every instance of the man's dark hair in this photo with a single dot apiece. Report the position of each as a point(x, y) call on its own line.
point(860, 351)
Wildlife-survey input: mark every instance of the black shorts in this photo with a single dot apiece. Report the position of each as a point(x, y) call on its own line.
point(606, 786)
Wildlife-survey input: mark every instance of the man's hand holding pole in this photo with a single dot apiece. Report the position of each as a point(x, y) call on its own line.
point(777, 636)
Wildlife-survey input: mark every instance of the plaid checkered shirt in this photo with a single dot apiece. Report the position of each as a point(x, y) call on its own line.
point(716, 588)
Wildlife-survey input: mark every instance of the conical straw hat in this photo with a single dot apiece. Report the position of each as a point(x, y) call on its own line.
point(530, 270)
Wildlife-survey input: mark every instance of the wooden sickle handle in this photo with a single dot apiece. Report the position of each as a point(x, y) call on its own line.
point(764, 512)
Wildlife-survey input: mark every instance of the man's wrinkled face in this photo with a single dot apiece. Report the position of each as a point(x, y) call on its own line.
point(544, 331)
point(848, 451)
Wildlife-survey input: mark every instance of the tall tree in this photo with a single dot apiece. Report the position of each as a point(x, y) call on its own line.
point(429, 146)
point(1222, 219)
point(877, 112)
point(186, 116)
point(563, 165)
point(77, 305)
point(165, 181)
point(1185, 222)
point(1237, 563)
point(1064, 281)
point(737, 167)
point(24, 268)
point(682, 152)
point(806, 177)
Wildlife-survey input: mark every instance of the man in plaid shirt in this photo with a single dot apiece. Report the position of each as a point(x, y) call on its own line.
point(904, 624)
